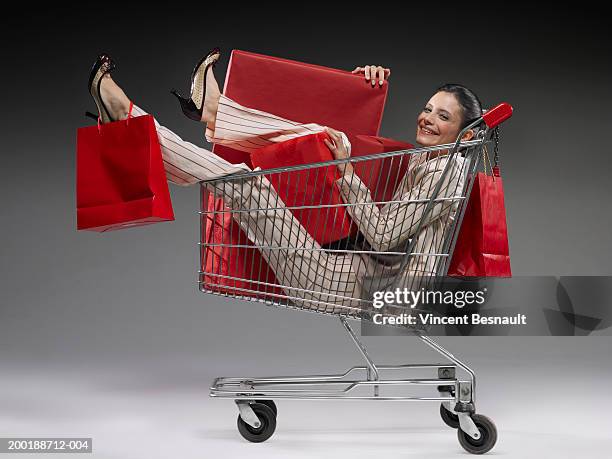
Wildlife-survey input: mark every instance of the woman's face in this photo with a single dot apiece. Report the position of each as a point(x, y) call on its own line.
point(440, 121)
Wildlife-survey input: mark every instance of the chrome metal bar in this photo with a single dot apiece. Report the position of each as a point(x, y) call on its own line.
point(267, 379)
point(360, 346)
point(336, 396)
point(381, 382)
point(372, 370)
point(353, 159)
point(269, 302)
point(349, 386)
point(327, 206)
point(302, 249)
point(309, 249)
point(286, 296)
point(288, 387)
point(437, 347)
point(245, 393)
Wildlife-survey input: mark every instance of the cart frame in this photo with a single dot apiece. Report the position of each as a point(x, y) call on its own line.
point(456, 394)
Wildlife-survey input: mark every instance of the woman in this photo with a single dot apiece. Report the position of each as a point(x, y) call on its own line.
point(322, 280)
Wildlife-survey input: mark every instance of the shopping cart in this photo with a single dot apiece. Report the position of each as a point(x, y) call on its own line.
point(331, 279)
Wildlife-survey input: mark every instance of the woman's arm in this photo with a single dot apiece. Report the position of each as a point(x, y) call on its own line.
point(396, 222)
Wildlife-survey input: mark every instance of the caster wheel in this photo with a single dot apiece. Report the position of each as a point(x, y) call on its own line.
point(268, 424)
point(269, 403)
point(488, 436)
point(450, 419)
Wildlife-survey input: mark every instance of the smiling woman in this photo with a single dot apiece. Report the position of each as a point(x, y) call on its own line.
point(451, 108)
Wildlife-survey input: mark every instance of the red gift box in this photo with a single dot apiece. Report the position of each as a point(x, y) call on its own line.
point(307, 187)
point(304, 93)
point(120, 178)
point(226, 269)
point(316, 186)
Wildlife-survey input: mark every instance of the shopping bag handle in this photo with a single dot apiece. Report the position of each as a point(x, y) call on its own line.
point(497, 115)
point(99, 121)
point(127, 121)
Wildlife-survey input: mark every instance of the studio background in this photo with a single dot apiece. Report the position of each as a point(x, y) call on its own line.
point(106, 336)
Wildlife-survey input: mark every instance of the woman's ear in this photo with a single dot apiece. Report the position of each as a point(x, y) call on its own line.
point(469, 135)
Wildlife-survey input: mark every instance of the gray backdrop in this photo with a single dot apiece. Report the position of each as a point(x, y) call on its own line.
point(106, 336)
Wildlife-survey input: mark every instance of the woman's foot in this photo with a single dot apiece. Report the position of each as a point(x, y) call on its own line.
point(115, 100)
point(112, 103)
point(211, 100)
point(204, 93)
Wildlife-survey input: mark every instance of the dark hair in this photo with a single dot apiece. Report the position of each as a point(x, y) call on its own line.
point(471, 108)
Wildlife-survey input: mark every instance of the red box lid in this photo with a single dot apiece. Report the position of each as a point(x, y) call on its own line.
point(303, 92)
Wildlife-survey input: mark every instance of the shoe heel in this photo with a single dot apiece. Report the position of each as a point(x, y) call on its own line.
point(187, 106)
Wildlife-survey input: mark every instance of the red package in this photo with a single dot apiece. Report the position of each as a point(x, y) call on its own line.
point(304, 93)
point(316, 186)
point(120, 178)
point(307, 187)
point(482, 244)
point(381, 176)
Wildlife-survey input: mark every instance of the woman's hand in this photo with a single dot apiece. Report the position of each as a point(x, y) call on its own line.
point(340, 148)
point(374, 73)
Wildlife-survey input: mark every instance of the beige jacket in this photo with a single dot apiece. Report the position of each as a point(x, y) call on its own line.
point(390, 228)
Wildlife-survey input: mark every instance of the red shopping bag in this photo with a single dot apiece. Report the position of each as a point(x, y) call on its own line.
point(482, 244)
point(226, 268)
point(120, 179)
point(302, 92)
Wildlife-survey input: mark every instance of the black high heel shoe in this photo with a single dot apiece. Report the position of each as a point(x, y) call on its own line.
point(192, 107)
point(103, 65)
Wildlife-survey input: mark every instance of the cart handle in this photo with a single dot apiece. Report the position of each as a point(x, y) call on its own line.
point(497, 114)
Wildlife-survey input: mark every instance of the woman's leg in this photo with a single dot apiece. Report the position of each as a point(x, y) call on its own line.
point(324, 282)
point(184, 162)
point(240, 127)
point(246, 129)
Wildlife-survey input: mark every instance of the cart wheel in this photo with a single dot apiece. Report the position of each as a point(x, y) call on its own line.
point(269, 403)
point(450, 419)
point(488, 436)
point(268, 424)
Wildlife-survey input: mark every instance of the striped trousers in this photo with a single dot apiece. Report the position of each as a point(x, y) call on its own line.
point(314, 278)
